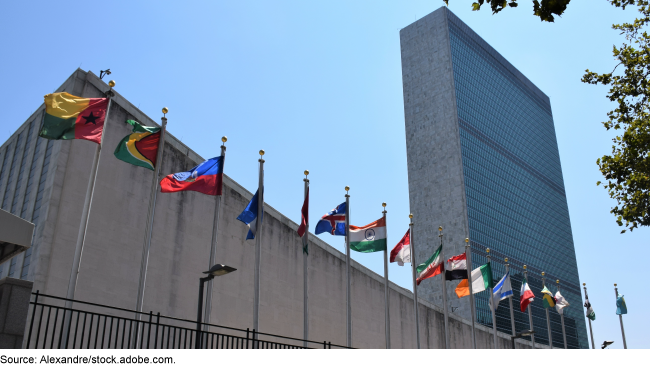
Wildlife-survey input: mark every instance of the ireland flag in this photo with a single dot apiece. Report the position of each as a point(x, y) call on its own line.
point(369, 238)
point(432, 267)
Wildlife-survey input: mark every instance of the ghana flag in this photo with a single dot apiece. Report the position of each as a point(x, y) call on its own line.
point(140, 148)
point(68, 117)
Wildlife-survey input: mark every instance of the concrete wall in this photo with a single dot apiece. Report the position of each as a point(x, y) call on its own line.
point(14, 302)
point(435, 168)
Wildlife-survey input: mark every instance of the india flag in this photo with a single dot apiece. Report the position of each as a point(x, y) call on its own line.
point(369, 238)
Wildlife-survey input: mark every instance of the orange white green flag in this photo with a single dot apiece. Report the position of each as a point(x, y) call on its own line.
point(139, 148)
point(432, 267)
point(68, 117)
point(369, 238)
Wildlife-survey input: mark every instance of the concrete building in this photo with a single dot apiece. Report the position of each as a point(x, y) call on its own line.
point(483, 162)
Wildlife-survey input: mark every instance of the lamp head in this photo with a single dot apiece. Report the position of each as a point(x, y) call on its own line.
point(220, 270)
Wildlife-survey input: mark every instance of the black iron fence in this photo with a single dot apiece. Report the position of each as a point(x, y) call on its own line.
point(88, 325)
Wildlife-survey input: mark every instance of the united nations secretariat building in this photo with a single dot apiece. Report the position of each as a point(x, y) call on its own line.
point(43, 186)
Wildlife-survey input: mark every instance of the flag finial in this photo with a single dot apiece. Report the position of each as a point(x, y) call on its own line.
point(111, 83)
point(487, 250)
point(557, 281)
point(440, 228)
point(525, 266)
point(261, 152)
point(224, 139)
point(584, 284)
point(543, 273)
point(165, 110)
point(466, 240)
point(506, 260)
point(614, 285)
point(306, 172)
point(410, 216)
point(347, 188)
point(383, 204)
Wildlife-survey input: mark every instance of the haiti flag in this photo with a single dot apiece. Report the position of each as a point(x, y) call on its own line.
point(206, 178)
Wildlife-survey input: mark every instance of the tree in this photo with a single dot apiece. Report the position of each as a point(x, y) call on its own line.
point(627, 169)
point(543, 9)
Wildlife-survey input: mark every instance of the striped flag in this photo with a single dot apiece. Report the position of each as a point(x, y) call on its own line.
point(402, 251)
point(432, 267)
point(370, 238)
point(526, 296)
point(502, 290)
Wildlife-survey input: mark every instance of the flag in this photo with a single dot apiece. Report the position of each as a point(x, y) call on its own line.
point(560, 302)
point(205, 178)
point(402, 251)
point(590, 312)
point(304, 221)
point(526, 295)
point(249, 216)
point(462, 289)
point(370, 238)
point(332, 222)
point(548, 300)
point(502, 290)
point(68, 117)
point(432, 267)
point(481, 280)
point(139, 148)
point(456, 268)
point(621, 308)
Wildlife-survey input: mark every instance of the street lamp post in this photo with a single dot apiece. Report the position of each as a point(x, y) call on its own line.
point(519, 335)
point(216, 270)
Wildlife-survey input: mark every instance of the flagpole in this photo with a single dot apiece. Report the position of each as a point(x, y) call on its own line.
point(149, 228)
point(347, 267)
point(620, 317)
point(512, 313)
point(591, 332)
point(85, 214)
point(386, 283)
point(468, 255)
point(415, 287)
point(305, 266)
point(444, 290)
point(213, 247)
point(530, 313)
point(548, 320)
point(491, 294)
point(561, 317)
point(258, 247)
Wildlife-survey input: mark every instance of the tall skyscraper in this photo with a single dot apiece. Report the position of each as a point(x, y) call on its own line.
point(483, 163)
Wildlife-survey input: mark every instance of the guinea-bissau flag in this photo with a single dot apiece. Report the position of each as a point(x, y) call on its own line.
point(140, 148)
point(68, 117)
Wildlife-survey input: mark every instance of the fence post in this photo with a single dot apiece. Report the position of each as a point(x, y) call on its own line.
point(325, 344)
point(255, 344)
point(157, 326)
point(149, 331)
point(31, 325)
point(247, 338)
point(330, 343)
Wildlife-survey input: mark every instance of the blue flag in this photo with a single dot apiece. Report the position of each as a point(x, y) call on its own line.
point(249, 216)
point(620, 305)
point(332, 222)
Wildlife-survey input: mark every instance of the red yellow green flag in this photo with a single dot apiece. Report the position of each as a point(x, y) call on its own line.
point(68, 117)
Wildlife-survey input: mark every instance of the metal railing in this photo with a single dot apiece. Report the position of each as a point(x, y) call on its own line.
point(89, 325)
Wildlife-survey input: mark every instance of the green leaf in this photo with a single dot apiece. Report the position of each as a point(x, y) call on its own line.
point(476, 7)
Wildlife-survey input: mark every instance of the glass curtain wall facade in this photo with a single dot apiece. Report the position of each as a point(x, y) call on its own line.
point(516, 203)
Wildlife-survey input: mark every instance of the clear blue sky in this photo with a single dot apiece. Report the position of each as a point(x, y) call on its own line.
point(318, 86)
